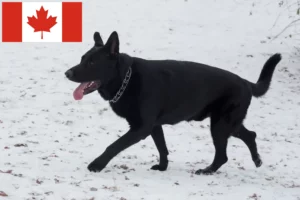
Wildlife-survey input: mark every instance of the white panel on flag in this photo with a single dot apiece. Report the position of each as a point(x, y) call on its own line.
point(30, 9)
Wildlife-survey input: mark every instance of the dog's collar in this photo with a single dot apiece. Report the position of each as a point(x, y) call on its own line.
point(123, 87)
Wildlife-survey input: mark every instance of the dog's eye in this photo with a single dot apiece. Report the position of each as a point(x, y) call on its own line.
point(91, 63)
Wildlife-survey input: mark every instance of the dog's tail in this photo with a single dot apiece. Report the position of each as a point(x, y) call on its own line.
point(264, 80)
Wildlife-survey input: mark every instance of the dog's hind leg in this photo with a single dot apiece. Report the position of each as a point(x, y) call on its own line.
point(220, 134)
point(225, 119)
point(248, 137)
point(160, 143)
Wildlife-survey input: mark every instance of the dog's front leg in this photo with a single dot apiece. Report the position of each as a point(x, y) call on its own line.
point(127, 140)
point(160, 143)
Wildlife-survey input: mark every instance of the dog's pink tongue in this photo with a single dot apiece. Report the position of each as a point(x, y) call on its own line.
point(78, 92)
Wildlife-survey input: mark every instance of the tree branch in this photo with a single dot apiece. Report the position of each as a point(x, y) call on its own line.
point(288, 26)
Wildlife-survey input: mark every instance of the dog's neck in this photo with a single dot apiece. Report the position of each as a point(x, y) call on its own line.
point(122, 89)
point(110, 90)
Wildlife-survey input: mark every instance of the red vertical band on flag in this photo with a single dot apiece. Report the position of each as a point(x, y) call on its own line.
point(11, 21)
point(72, 21)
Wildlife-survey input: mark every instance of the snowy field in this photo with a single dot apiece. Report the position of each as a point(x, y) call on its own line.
point(47, 139)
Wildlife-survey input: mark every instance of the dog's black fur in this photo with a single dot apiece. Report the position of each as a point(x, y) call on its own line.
point(167, 92)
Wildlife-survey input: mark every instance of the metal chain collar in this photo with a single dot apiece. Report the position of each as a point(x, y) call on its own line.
point(123, 87)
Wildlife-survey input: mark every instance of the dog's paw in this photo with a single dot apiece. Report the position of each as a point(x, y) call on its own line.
point(258, 162)
point(95, 167)
point(159, 168)
point(206, 171)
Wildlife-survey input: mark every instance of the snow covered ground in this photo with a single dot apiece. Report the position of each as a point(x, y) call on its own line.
point(47, 139)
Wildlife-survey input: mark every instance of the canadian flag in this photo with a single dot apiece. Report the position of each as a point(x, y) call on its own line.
point(41, 21)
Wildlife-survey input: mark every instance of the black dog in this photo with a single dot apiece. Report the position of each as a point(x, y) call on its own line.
point(150, 93)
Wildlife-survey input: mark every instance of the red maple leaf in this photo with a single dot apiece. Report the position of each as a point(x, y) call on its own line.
point(41, 23)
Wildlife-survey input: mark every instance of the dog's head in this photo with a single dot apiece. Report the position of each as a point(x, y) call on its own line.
point(97, 67)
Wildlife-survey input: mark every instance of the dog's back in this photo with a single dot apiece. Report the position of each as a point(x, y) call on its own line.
point(186, 88)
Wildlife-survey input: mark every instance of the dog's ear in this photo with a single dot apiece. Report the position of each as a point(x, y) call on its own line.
point(97, 39)
point(113, 43)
